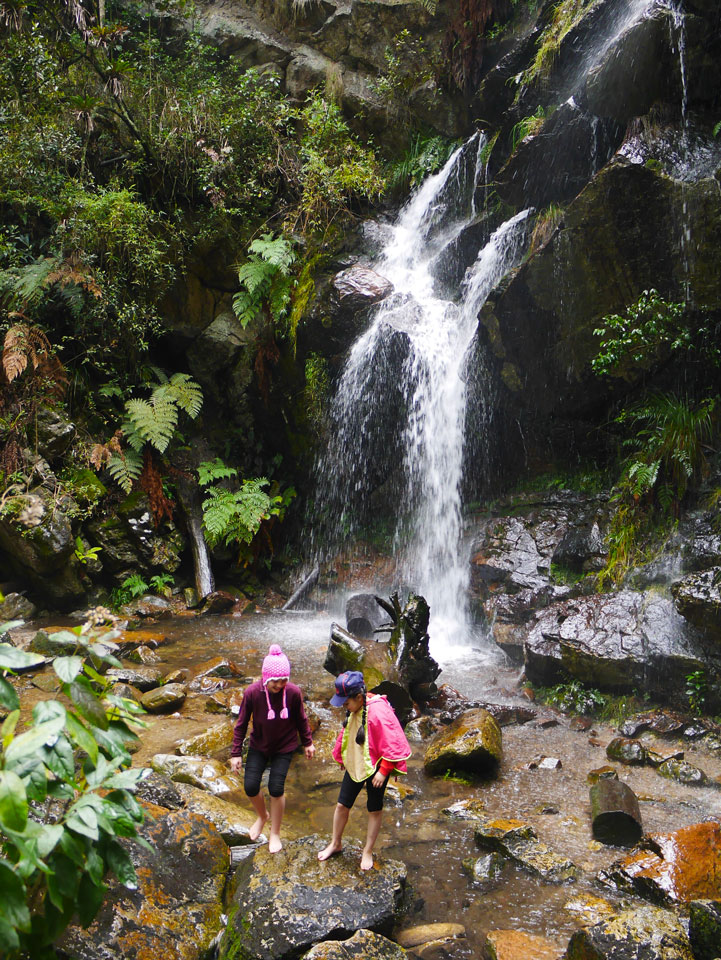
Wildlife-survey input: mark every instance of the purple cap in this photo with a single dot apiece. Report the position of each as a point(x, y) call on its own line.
point(348, 684)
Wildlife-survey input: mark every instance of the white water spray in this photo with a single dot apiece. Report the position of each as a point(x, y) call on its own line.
point(417, 345)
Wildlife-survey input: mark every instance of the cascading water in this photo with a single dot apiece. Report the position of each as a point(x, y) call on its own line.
point(398, 416)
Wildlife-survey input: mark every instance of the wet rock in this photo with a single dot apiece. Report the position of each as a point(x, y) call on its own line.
point(663, 722)
point(471, 809)
point(215, 738)
point(176, 911)
point(625, 750)
point(207, 685)
point(683, 772)
point(364, 615)
point(422, 728)
point(698, 599)
point(588, 909)
point(359, 288)
point(615, 814)
point(545, 763)
point(602, 773)
point(144, 678)
point(647, 932)
point(230, 820)
point(54, 433)
point(518, 842)
point(143, 654)
point(704, 929)
point(654, 758)
point(218, 602)
point(616, 642)
point(296, 901)
point(363, 945)
point(417, 936)
point(160, 790)
point(472, 743)
point(485, 868)
point(165, 699)
point(53, 644)
point(517, 945)
point(345, 652)
point(672, 867)
point(199, 772)
point(149, 606)
point(15, 606)
point(217, 667)
point(176, 676)
point(448, 704)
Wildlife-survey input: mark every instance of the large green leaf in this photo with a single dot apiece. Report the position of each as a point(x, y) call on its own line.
point(87, 703)
point(13, 898)
point(31, 741)
point(67, 668)
point(118, 859)
point(13, 802)
point(8, 934)
point(82, 737)
point(90, 900)
point(64, 881)
point(48, 710)
point(84, 821)
point(13, 659)
point(60, 759)
point(9, 699)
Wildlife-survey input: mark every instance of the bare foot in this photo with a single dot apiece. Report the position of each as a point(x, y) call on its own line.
point(274, 844)
point(257, 828)
point(330, 851)
point(366, 861)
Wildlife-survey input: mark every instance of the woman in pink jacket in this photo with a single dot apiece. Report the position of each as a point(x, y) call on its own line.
point(369, 748)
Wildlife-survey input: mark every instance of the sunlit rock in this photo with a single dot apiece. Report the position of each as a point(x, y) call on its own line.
point(363, 945)
point(165, 699)
point(588, 909)
point(217, 737)
point(518, 945)
point(296, 901)
point(672, 867)
point(646, 931)
point(176, 911)
point(518, 842)
point(199, 772)
point(231, 820)
point(472, 743)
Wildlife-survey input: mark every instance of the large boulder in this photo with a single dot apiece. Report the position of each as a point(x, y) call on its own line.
point(673, 867)
point(176, 911)
point(472, 743)
point(201, 772)
point(284, 903)
point(363, 945)
point(647, 932)
point(616, 642)
point(698, 599)
point(517, 841)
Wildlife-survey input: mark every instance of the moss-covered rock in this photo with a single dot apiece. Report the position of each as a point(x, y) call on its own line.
point(472, 743)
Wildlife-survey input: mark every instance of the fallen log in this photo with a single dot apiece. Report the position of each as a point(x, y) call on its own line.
point(615, 814)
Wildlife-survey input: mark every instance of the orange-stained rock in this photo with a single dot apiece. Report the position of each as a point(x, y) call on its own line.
point(672, 867)
point(175, 912)
point(517, 945)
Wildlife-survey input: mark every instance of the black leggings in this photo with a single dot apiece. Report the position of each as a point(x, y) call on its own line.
point(349, 790)
point(255, 764)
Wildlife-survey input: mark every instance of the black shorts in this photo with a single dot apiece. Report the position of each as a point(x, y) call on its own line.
point(256, 763)
point(349, 790)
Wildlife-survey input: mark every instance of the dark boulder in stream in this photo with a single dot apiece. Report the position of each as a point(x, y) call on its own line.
point(647, 932)
point(284, 903)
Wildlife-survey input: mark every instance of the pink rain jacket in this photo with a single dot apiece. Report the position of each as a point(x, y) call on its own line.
point(387, 743)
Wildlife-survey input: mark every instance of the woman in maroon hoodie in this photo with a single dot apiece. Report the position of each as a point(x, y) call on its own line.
point(279, 720)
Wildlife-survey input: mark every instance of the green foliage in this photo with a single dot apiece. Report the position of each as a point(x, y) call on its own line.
point(336, 169)
point(154, 421)
point(527, 126)
point(408, 65)
point(161, 583)
point(211, 470)
point(235, 517)
point(133, 586)
point(638, 340)
point(317, 385)
point(426, 155)
point(574, 697)
point(83, 552)
point(125, 468)
point(265, 280)
point(66, 797)
point(697, 690)
point(565, 16)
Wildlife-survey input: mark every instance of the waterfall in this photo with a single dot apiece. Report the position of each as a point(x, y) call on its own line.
point(204, 580)
point(398, 415)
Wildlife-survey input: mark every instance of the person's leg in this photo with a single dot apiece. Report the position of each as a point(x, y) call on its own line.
point(375, 818)
point(254, 766)
point(279, 765)
point(349, 790)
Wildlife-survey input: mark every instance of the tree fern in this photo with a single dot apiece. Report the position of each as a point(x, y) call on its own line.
point(125, 469)
point(211, 470)
point(182, 390)
point(265, 279)
point(153, 420)
point(235, 517)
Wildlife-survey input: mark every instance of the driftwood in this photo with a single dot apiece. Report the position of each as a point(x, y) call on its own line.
point(615, 813)
point(304, 589)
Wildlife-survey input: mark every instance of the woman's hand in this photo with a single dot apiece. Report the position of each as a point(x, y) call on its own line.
point(235, 764)
point(378, 779)
point(309, 751)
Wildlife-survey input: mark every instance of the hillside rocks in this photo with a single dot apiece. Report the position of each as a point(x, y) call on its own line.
point(296, 901)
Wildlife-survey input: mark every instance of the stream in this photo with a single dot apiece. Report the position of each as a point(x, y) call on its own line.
point(432, 846)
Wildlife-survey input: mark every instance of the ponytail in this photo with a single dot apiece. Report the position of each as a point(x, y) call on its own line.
point(360, 737)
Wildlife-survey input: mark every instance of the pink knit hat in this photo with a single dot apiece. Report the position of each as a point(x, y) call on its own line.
point(276, 666)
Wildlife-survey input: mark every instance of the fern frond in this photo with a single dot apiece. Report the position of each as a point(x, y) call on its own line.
point(32, 280)
point(255, 276)
point(218, 510)
point(185, 392)
point(125, 469)
point(245, 307)
point(211, 470)
point(154, 420)
point(276, 251)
